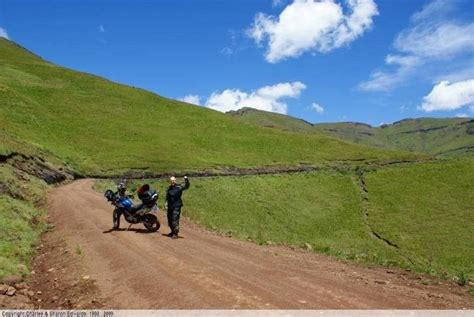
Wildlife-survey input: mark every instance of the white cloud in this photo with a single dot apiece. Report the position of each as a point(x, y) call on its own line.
point(449, 96)
point(101, 28)
point(430, 40)
point(277, 3)
point(384, 81)
point(311, 25)
point(436, 41)
point(192, 99)
point(435, 9)
point(268, 98)
point(227, 51)
point(462, 115)
point(317, 107)
point(3, 33)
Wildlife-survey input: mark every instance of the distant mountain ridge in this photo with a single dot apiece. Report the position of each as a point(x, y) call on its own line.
point(445, 136)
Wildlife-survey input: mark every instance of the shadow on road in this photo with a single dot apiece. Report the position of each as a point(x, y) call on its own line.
point(131, 230)
point(168, 236)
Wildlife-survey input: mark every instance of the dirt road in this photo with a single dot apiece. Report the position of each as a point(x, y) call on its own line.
point(133, 269)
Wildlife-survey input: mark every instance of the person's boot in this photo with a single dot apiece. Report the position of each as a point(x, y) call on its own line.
point(174, 234)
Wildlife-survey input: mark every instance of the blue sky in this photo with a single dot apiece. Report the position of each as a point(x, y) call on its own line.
point(373, 61)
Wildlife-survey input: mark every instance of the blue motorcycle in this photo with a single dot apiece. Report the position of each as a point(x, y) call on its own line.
point(146, 212)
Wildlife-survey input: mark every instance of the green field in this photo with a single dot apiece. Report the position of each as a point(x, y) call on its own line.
point(428, 211)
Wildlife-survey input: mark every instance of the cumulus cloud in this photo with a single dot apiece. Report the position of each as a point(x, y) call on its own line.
point(430, 39)
point(311, 25)
point(3, 33)
point(436, 41)
point(317, 107)
point(449, 96)
point(268, 98)
point(192, 99)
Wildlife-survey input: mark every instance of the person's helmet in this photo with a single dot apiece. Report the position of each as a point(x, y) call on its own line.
point(122, 187)
point(109, 195)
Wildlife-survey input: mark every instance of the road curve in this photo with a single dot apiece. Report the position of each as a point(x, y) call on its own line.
point(138, 270)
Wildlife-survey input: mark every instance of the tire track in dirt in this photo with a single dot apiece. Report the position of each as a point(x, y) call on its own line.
point(135, 269)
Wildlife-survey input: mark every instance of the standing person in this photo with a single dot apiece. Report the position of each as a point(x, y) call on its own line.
point(174, 202)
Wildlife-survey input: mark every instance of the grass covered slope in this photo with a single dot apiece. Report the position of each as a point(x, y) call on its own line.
point(447, 137)
point(22, 219)
point(272, 120)
point(428, 211)
point(98, 126)
point(356, 132)
point(425, 209)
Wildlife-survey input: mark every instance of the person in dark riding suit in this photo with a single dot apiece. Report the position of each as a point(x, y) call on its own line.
point(174, 203)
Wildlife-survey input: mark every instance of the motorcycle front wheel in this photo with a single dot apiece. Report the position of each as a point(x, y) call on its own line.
point(151, 223)
point(116, 219)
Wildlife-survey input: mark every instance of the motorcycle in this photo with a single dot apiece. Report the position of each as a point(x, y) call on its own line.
point(146, 212)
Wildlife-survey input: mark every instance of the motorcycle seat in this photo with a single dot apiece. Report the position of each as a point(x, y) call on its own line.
point(136, 208)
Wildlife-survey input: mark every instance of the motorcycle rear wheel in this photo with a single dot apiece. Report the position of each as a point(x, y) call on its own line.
point(151, 223)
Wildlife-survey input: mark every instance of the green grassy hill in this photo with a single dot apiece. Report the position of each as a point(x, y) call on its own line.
point(445, 137)
point(99, 127)
point(272, 120)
